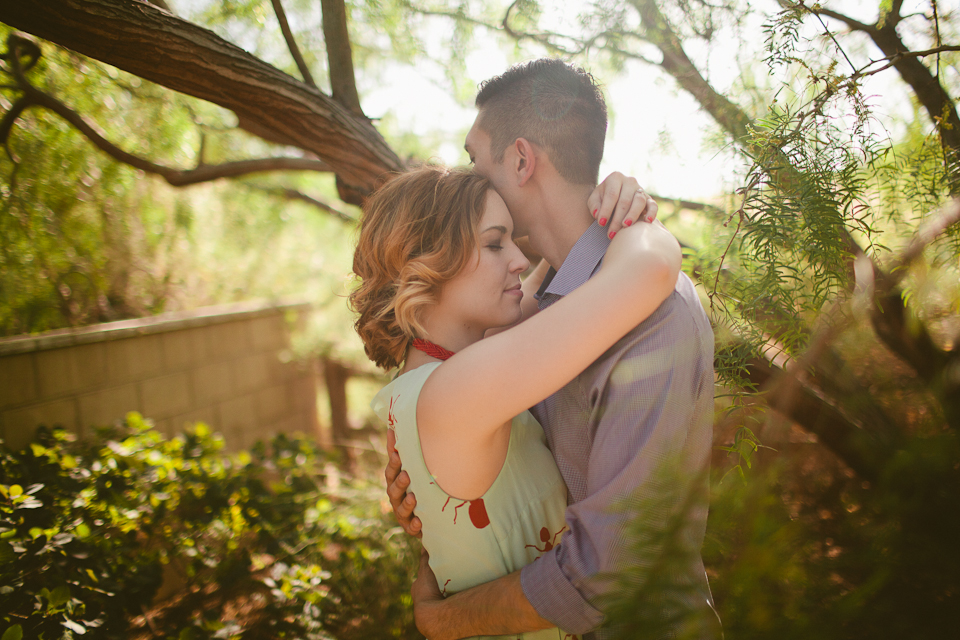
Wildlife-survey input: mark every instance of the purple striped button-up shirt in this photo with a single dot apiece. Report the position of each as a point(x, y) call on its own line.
point(639, 414)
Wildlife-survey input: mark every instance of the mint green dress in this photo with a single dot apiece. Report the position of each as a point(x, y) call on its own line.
point(519, 518)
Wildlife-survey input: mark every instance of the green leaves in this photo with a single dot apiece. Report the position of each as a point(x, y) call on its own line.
point(13, 633)
point(251, 544)
point(745, 444)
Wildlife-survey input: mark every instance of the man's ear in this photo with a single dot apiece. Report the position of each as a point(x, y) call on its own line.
point(525, 160)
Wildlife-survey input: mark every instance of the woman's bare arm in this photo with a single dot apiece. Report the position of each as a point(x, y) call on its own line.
point(466, 401)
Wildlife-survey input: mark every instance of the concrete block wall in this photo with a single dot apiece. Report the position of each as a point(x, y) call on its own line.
point(228, 366)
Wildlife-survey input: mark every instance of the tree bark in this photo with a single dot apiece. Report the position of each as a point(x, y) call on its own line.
point(152, 44)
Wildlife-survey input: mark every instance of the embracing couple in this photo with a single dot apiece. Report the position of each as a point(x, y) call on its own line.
point(525, 413)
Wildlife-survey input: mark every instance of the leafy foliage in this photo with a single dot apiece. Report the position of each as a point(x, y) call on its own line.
point(131, 535)
point(86, 239)
point(804, 549)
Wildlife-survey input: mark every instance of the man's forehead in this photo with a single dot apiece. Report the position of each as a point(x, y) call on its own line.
point(474, 136)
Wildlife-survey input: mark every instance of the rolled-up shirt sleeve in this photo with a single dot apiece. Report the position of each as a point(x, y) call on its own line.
point(645, 405)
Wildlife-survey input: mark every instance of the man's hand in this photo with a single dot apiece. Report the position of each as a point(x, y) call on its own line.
point(398, 480)
point(494, 608)
point(619, 201)
point(426, 594)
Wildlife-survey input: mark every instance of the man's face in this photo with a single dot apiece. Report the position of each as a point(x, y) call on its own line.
point(477, 144)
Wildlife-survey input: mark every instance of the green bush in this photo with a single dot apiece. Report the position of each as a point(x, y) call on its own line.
point(131, 535)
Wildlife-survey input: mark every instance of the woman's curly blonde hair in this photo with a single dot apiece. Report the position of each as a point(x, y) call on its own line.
point(418, 232)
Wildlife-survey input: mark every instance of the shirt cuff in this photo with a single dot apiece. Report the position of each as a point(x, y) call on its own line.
point(555, 598)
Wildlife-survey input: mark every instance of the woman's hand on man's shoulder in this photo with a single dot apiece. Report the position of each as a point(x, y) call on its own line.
point(619, 201)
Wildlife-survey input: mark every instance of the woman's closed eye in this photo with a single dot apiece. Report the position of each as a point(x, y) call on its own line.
point(496, 246)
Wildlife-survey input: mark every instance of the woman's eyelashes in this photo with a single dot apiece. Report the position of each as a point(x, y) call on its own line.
point(496, 246)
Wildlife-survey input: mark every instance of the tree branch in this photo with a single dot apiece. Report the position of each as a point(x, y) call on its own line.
point(10, 117)
point(893, 60)
point(292, 44)
point(802, 403)
point(935, 100)
point(148, 42)
point(456, 15)
point(911, 341)
point(293, 194)
point(824, 11)
point(343, 82)
point(543, 38)
point(690, 205)
point(161, 4)
point(676, 62)
point(176, 177)
point(937, 225)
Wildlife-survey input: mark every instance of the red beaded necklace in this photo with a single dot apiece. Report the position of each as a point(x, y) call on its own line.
point(431, 349)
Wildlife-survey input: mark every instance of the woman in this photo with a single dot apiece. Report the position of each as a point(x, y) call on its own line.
point(439, 270)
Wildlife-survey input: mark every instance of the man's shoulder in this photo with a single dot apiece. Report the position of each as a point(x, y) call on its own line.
point(681, 313)
point(677, 332)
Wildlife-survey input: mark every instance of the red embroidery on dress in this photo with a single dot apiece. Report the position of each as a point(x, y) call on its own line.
point(477, 511)
point(548, 542)
point(391, 419)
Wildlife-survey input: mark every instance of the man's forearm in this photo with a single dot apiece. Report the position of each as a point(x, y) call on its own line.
point(494, 608)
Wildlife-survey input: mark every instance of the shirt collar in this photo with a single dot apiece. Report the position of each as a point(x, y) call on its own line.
point(579, 264)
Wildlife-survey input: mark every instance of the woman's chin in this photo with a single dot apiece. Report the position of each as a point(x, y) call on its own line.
point(514, 319)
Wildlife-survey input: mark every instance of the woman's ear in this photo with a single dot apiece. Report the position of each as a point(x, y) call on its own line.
point(525, 160)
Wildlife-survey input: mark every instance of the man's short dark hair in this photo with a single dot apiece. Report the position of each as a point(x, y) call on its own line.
point(554, 105)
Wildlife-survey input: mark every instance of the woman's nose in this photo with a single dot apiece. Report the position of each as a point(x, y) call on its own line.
point(520, 262)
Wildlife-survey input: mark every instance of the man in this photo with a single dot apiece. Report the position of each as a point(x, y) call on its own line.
point(644, 406)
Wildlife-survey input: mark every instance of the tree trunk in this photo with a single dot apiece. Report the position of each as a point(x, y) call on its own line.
point(335, 375)
point(152, 44)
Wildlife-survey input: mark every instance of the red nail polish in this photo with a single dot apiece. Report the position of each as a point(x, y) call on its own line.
point(595, 212)
point(602, 221)
point(627, 223)
point(612, 233)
